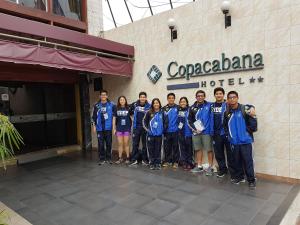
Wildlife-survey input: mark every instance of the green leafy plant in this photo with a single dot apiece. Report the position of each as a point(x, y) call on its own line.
point(4, 217)
point(9, 139)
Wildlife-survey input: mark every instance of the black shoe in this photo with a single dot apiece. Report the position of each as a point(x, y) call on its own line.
point(158, 167)
point(221, 174)
point(101, 162)
point(252, 185)
point(152, 167)
point(236, 181)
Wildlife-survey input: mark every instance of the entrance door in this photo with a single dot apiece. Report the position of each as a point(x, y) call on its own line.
point(43, 113)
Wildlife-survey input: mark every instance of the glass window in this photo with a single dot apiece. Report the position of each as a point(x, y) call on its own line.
point(67, 8)
point(37, 4)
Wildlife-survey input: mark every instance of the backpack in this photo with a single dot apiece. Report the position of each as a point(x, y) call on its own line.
point(244, 108)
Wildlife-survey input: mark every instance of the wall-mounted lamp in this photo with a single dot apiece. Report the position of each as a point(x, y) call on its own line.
point(172, 27)
point(225, 9)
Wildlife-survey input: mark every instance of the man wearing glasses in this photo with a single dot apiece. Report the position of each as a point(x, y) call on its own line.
point(239, 125)
point(199, 120)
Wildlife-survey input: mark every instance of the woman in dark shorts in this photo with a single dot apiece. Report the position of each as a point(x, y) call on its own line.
point(122, 127)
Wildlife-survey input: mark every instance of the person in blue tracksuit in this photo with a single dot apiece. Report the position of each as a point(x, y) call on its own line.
point(185, 135)
point(220, 142)
point(138, 110)
point(102, 120)
point(155, 123)
point(171, 150)
point(239, 126)
point(200, 114)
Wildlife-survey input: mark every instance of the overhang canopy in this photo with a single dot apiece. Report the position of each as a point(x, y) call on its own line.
point(110, 58)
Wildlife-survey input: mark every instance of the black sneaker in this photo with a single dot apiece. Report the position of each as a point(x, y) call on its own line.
point(101, 162)
point(152, 167)
point(236, 181)
point(158, 167)
point(221, 174)
point(252, 185)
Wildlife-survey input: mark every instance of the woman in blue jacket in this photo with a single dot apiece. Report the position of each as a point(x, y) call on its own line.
point(155, 123)
point(185, 135)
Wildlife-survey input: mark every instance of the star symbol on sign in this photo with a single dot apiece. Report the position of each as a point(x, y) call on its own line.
point(252, 80)
point(260, 79)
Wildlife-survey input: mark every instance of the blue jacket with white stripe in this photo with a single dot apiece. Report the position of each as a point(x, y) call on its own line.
point(138, 111)
point(201, 112)
point(155, 123)
point(172, 113)
point(239, 127)
point(103, 115)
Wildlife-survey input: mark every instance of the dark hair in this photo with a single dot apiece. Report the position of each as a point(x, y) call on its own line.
point(119, 105)
point(142, 93)
point(219, 89)
point(171, 94)
point(200, 91)
point(152, 103)
point(103, 91)
point(232, 93)
point(185, 98)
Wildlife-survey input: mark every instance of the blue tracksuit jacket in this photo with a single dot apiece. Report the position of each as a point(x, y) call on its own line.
point(155, 123)
point(238, 128)
point(172, 113)
point(103, 115)
point(138, 111)
point(183, 127)
point(201, 112)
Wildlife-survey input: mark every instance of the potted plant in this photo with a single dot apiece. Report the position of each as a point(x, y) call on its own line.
point(4, 218)
point(9, 139)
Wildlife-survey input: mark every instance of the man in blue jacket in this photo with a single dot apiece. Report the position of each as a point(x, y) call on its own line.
point(138, 109)
point(239, 126)
point(102, 120)
point(200, 122)
point(220, 142)
point(171, 149)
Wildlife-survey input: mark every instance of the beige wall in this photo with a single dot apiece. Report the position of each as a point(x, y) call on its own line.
point(95, 17)
point(271, 27)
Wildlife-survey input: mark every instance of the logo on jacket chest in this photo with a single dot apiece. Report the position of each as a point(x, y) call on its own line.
point(122, 113)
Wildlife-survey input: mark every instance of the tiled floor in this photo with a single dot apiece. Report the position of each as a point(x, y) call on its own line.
point(75, 190)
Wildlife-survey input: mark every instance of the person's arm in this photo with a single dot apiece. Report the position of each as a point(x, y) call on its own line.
point(94, 118)
point(191, 120)
point(251, 123)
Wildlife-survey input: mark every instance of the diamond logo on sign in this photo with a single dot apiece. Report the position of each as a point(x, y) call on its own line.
point(154, 74)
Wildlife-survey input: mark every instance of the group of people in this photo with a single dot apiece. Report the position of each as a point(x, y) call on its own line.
point(185, 132)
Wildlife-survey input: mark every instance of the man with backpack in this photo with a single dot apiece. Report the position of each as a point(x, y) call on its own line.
point(239, 126)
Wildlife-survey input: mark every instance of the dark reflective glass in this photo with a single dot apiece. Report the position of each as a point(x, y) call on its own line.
point(37, 4)
point(67, 8)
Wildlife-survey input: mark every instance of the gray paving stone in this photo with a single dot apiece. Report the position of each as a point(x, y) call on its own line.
point(216, 194)
point(191, 188)
point(116, 194)
point(135, 201)
point(138, 218)
point(179, 197)
point(159, 208)
point(234, 215)
point(39, 199)
point(153, 190)
point(247, 202)
point(260, 219)
point(213, 221)
point(203, 205)
point(186, 217)
point(117, 213)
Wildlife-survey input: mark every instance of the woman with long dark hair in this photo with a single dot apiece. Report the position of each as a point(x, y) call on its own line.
point(185, 135)
point(155, 123)
point(122, 127)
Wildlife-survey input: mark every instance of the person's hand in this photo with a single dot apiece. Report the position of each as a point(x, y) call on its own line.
point(252, 112)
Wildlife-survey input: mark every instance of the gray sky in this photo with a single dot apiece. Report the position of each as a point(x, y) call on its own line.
point(138, 8)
